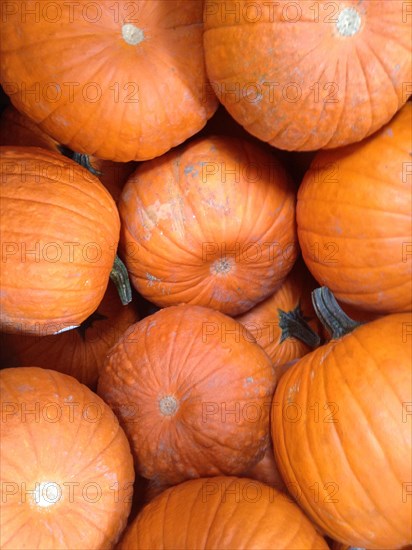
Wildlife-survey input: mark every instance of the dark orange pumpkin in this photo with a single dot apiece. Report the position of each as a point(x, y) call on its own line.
point(59, 231)
point(18, 129)
point(354, 219)
point(221, 513)
point(80, 352)
point(305, 76)
point(66, 467)
point(341, 430)
point(112, 80)
point(266, 471)
point(211, 223)
point(285, 324)
point(193, 391)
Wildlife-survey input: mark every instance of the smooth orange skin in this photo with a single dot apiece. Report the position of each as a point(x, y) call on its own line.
point(18, 129)
point(126, 102)
point(354, 219)
point(223, 383)
point(345, 401)
point(79, 352)
point(289, 78)
point(73, 440)
point(262, 321)
point(63, 214)
point(217, 198)
point(221, 513)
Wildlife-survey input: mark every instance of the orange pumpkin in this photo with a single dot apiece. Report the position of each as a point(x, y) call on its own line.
point(354, 219)
point(110, 80)
point(18, 129)
point(345, 401)
point(305, 76)
point(59, 229)
point(66, 468)
point(192, 391)
point(80, 352)
point(211, 223)
point(266, 471)
point(221, 513)
point(285, 324)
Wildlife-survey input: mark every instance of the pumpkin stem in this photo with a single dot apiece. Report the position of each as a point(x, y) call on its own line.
point(294, 325)
point(120, 277)
point(330, 314)
point(84, 161)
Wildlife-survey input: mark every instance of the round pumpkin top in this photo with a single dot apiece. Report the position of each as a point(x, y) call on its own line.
point(59, 230)
point(111, 80)
point(192, 390)
point(66, 468)
point(303, 75)
point(221, 513)
point(342, 433)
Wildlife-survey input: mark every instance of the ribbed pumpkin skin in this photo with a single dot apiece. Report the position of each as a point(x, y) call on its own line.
point(221, 513)
point(153, 100)
point(286, 73)
point(55, 430)
point(221, 385)
point(343, 402)
point(18, 129)
point(263, 321)
point(211, 223)
point(79, 352)
point(57, 210)
point(354, 219)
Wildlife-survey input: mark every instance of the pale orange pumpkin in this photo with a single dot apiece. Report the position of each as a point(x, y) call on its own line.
point(354, 219)
point(112, 80)
point(342, 402)
point(79, 352)
point(193, 392)
point(65, 466)
point(221, 513)
point(309, 75)
point(210, 223)
point(59, 228)
point(18, 129)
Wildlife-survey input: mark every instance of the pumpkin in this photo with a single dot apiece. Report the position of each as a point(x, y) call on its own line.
point(266, 471)
point(18, 129)
point(110, 80)
point(354, 219)
point(210, 223)
point(59, 229)
point(285, 324)
point(342, 402)
point(193, 392)
point(304, 76)
point(66, 468)
point(79, 352)
point(221, 513)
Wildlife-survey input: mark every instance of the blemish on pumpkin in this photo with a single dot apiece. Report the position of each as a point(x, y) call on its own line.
point(131, 34)
point(249, 380)
point(46, 494)
point(349, 22)
point(152, 279)
point(389, 132)
point(168, 405)
point(222, 266)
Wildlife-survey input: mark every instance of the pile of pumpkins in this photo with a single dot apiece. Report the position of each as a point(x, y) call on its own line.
point(206, 285)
